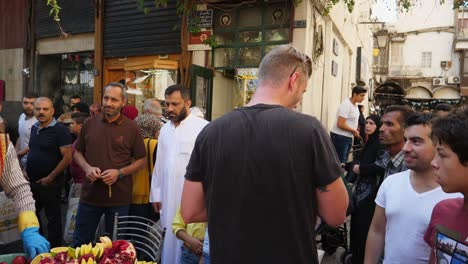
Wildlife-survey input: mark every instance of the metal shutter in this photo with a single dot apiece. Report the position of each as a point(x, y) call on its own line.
point(76, 16)
point(130, 32)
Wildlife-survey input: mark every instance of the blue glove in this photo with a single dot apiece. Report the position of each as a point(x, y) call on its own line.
point(33, 242)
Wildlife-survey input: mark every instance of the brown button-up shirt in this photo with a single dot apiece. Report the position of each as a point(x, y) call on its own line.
point(109, 146)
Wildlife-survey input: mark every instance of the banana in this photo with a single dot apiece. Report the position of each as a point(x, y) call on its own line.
point(98, 250)
point(89, 248)
point(77, 252)
point(106, 241)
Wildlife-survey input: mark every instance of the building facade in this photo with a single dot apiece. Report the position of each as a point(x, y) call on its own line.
point(339, 44)
point(421, 56)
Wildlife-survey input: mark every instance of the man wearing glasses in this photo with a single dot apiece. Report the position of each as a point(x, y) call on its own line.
point(262, 173)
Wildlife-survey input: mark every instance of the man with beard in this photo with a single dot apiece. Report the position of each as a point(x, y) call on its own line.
point(405, 201)
point(109, 150)
point(25, 123)
point(175, 145)
point(49, 155)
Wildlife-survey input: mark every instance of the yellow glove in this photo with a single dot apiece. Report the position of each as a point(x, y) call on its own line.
point(33, 242)
point(27, 219)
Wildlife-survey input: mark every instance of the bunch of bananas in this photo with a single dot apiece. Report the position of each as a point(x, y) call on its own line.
point(86, 254)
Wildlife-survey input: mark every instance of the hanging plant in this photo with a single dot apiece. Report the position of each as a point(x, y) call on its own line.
point(55, 10)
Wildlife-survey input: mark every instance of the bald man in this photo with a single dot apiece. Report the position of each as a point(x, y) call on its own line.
point(49, 154)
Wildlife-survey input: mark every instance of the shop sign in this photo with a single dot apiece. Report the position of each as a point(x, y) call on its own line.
point(196, 41)
point(300, 24)
point(203, 18)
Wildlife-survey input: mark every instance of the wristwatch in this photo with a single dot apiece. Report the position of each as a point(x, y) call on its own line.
point(120, 175)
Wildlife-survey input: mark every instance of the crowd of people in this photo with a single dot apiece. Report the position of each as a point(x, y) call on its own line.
point(249, 186)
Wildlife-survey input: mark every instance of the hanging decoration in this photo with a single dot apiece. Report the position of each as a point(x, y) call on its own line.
point(247, 82)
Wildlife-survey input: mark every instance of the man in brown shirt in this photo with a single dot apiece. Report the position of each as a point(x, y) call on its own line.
point(109, 149)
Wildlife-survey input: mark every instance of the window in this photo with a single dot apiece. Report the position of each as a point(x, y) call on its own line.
point(396, 53)
point(426, 59)
point(244, 35)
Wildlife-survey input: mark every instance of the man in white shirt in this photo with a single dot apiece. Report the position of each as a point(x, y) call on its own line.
point(175, 145)
point(405, 201)
point(25, 122)
point(347, 120)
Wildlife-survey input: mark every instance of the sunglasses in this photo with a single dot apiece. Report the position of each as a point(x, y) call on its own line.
point(295, 68)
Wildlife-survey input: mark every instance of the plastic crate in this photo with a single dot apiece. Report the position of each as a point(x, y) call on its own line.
point(8, 258)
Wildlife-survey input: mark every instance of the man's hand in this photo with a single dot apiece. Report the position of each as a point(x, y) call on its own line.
point(110, 176)
point(157, 206)
point(46, 181)
point(357, 135)
point(195, 245)
point(22, 152)
point(93, 173)
point(356, 169)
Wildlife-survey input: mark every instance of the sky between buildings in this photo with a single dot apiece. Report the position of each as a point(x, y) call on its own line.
point(384, 10)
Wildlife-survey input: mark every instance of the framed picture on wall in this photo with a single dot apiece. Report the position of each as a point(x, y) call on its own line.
point(335, 47)
point(334, 69)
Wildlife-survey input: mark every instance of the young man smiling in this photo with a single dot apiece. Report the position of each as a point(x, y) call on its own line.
point(405, 201)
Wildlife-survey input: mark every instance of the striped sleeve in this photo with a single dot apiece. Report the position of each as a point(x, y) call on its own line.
point(14, 184)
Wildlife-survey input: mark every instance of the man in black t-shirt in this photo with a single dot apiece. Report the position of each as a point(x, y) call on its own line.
point(261, 174)
point(49, 155)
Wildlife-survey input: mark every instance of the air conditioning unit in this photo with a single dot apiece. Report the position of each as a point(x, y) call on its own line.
point(453, 80)
point(438, 81)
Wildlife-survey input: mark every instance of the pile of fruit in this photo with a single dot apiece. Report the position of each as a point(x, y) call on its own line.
point(105, 252)
point(18, 260)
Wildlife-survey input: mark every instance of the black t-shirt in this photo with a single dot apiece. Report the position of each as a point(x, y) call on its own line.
point(44, 149)
point(260, 167)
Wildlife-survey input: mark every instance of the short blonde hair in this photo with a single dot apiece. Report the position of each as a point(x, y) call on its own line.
point(281, 62)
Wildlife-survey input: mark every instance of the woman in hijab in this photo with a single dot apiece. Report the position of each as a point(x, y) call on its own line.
point(365, 189)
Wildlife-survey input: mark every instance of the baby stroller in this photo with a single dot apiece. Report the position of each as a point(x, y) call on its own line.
point(336, 240)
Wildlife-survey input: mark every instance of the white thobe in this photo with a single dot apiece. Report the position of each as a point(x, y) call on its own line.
point(175, 145)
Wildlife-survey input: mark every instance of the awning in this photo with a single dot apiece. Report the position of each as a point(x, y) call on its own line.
point(446, 93)
point(418, 92)
point(389, 88)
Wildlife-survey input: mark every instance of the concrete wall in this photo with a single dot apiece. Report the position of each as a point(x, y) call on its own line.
point(223, 95)
point(439, 44)
point(326, 91)
point(73, 43)
point(11, 66)
point(223, 87)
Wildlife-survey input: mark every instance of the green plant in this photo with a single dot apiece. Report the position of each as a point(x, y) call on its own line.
point(55, 9)
point(211, 41)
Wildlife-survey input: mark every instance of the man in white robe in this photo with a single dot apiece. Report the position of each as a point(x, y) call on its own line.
point(175, 145)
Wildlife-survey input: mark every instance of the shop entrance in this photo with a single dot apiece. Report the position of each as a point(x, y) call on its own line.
point(59, 76)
